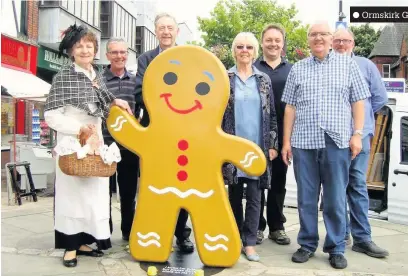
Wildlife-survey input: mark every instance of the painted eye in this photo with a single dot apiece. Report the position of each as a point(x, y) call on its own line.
point(202, 88)
point(170, 78)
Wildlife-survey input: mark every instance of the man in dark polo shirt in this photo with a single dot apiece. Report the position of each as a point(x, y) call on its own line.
point(277, 68)
point(122, 84)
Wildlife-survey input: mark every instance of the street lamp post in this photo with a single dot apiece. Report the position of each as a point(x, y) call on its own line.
point(341, 13)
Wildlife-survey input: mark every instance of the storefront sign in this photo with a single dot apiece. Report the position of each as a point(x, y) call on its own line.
point(18, 54)
point(395, 85)
point(48, 59)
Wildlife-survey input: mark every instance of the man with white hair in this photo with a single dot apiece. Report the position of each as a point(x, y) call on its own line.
point(324, 119)
point(343, 43)
point(166, 29)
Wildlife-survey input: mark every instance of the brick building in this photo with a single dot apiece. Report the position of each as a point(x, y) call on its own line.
point(390, 52)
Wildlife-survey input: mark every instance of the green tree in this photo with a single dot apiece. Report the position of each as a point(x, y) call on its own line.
point(365, 37)
point(230, 17)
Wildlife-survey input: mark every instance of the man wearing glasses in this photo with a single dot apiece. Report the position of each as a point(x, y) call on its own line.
point(277, 68)
point(357, 194)
point(166, 30)
point(121, 84)
point(323, 126)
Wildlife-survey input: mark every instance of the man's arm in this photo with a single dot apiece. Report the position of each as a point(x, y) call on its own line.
point(288, 122)
point(289, 97)
point(379, 96)
point(358, 114)
point(141, 69)
point(358, 92)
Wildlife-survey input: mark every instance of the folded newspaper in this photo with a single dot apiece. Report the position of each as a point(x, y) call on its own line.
point(69, 145)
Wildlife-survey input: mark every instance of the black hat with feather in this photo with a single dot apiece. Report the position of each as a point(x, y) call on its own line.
point(71, 36)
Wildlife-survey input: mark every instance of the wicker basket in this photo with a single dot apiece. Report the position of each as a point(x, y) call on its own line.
point(90, 166)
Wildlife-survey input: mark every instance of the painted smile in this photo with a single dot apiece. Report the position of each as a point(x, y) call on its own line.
point(166, 97)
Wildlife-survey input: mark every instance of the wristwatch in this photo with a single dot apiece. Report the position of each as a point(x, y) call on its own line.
point(358, 132)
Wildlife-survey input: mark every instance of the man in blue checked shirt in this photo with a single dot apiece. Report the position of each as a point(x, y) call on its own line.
point(323, 127)
point(343, 43)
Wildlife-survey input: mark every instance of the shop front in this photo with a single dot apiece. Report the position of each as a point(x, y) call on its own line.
point(23, 95)
point(48, 63)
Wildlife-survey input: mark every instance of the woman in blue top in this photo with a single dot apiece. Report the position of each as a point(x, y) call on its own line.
point(250, 114)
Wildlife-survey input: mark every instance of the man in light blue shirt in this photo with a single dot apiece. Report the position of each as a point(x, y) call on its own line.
point(343, 43)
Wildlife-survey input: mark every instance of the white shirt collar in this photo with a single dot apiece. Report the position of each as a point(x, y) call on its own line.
point(91, 75)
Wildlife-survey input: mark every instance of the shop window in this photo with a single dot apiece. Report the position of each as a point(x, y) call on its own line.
point(404, 140)
point(7, 120)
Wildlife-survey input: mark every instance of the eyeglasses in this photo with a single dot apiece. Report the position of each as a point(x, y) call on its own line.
point(248, 47)
point(344, 41)
point(322, 34)
point(115, 53)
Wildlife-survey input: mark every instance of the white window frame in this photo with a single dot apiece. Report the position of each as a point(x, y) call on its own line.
point(386, 74)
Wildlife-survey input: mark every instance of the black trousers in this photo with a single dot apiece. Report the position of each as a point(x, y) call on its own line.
point(249, 226)
point(127, 176)
point(276, 198)
point(182, 230)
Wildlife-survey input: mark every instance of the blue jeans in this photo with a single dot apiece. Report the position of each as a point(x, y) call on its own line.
point(329, 166)
point(357, 196)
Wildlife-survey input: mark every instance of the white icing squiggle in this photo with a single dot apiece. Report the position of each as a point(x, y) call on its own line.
point(216, 238)
point(180, 193)
point(148, 243)
point(215, 247)
point(148, 235)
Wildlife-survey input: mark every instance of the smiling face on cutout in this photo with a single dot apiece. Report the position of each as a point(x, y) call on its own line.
point(186, 84)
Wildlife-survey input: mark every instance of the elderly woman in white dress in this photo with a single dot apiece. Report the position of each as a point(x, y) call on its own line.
point(77, 103)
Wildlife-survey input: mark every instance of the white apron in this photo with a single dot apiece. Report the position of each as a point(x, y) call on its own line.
point(82, 204)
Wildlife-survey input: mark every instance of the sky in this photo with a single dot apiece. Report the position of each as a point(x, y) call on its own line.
point(309, 11)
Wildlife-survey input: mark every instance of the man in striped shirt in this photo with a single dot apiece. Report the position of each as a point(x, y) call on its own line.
point(122, 84)
point(323, 125)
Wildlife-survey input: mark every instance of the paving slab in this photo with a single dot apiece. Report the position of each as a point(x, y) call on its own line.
point(28, 240)
point(11, 235)
point(24, 265)
point(43, 241)
point(37, 223)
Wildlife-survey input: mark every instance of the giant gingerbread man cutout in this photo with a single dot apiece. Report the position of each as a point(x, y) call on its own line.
point(186, 90)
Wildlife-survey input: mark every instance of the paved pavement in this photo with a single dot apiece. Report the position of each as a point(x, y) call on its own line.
point(27, 249)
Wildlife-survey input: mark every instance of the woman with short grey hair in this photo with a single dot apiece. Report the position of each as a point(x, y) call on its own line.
point(251, 115)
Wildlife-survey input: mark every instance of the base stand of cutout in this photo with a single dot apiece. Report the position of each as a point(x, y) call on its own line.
point(181, 264)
